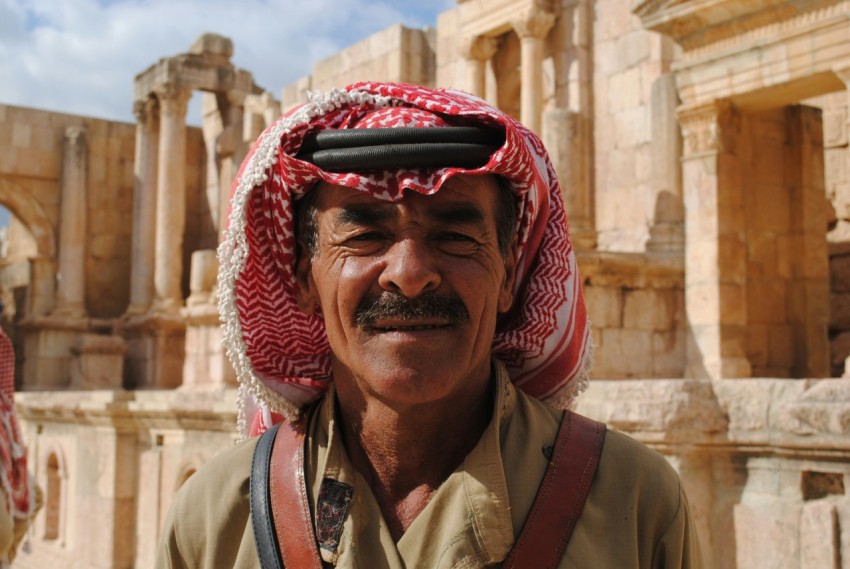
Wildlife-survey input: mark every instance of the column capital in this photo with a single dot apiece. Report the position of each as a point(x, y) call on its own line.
point(75, 134)
point(706, 128)
point(172, 98)
point(479, 48)
point(533, 23)
point(144, 110)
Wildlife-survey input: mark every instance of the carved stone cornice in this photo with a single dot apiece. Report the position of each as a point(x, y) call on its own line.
point(533, 23)
point(709, 128)
point(696, 23)
point(479, 48)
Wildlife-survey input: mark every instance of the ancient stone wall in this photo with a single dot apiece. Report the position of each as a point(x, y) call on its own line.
point(397, 54)
point(30, 179)
point(636, 306)
point(629, 64)
point(109, 463)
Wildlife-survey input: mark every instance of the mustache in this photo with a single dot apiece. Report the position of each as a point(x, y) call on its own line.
point(393, 306)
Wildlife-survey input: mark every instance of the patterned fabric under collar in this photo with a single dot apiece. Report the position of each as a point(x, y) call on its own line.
point(281, 355)
point(14, 477)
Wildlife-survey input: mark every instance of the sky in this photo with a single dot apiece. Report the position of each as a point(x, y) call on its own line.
point(80, 56)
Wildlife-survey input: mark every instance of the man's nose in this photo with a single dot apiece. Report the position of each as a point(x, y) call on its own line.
point(410, 268)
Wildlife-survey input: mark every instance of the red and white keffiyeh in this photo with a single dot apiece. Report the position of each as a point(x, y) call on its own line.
point(281, 355)
point(15, 480)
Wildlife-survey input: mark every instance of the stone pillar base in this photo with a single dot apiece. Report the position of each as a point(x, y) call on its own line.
point(206, 365)
point(98, 362)
point(48, 343)
point(155, 348)
point(666, 237)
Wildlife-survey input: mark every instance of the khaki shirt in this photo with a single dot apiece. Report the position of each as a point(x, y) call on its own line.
point(636, 514)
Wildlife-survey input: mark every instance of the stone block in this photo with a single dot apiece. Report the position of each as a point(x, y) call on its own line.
point(839, 349)
point(770, 530)
point(761, 256)
point(839, 267)
point(771, 211)
point(629, 352)
point(668, 354)
point(781, 348)
point(648, 310)
point(819, 536)
point(21, 136)
point(733, 304)
point(835, 164)
point(702, 303)
point(841, 204)
point(766, 301)
point(624, 90)
point(604, 306)
point(98, 362)
point(835, 127)
point(758, 345)
point(839, 311)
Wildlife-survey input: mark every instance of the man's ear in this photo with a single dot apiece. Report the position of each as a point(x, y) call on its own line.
point(306, 294)
point(506, 293)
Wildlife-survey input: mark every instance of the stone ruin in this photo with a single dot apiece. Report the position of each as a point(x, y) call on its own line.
point(704, 153)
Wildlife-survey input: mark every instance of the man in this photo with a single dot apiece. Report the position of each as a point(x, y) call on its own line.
point(397, 264)
point(19, 498)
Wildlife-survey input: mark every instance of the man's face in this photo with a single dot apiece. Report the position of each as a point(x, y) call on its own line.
point(409, 291)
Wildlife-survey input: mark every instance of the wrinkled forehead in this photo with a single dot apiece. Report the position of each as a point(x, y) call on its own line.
point(481, 190)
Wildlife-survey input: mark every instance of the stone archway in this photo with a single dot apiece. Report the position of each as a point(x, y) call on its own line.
point(29, 211)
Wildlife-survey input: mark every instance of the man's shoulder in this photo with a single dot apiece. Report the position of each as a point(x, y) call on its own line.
point(637, 474)
point(226, 475)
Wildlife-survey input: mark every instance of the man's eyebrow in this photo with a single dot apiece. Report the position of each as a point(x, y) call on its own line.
point(458, 213)
point(364, 214)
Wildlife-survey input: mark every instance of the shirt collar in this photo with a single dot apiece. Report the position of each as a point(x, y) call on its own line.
point(467, 520)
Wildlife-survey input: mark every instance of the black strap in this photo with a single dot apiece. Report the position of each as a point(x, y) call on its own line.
point(345, 150)
point(561, 496)
point(548, 528)
point(268, 548)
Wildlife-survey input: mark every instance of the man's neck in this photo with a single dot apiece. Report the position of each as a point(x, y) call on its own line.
point(405, 454)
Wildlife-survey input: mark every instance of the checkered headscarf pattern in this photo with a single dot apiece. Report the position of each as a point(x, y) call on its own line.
point(281, 355)
point(14, 477)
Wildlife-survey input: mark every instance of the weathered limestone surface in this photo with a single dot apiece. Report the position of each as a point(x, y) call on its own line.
point(116, 457)
point(396, 54)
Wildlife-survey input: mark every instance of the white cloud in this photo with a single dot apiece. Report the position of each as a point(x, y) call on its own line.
point(80, 56)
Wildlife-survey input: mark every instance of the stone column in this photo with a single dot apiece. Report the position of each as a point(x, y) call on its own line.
point(532, 26)
point(477, 51)
point(715, 243)
point(567, 125)
point(807, 293)
point(667, 231)
point(144, 207)
point(42, 293)
point(170, 200)
point(71, 289)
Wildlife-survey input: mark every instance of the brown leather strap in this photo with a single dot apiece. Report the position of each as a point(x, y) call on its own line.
point(293, 521)
point(561, 496)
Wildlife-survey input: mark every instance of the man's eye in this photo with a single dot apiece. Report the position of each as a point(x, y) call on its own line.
point(458, 237)
point(367, 236)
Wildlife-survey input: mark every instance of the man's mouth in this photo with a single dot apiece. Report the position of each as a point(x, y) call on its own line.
point(411, 327)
